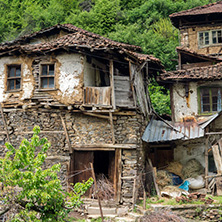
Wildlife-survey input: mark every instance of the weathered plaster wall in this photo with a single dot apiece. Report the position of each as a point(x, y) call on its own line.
point(192, 149)
point(189, 38)
point(184, 106)
point(70, 78)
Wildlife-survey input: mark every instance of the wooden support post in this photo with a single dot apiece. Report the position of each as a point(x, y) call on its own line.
point(112, 127)
point(144, 199)
point(206, 162)
point(66, 133)
point(154, 178)
point(111, 72)
point(94, 178)
point(4, 122)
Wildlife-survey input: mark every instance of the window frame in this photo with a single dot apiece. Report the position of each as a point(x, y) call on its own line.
point(200, 111)
point(210, 34)
point(8, 67)
point(46, 76)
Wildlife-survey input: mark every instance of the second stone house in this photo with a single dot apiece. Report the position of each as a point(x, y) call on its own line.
point(195, 91)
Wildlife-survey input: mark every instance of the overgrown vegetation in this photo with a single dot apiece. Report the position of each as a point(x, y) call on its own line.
point(30, 192)
point(141, 22)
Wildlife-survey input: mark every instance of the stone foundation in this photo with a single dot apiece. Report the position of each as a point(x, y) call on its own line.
point(82, 129)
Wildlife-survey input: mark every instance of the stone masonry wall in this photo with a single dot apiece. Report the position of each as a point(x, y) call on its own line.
point(82, 129)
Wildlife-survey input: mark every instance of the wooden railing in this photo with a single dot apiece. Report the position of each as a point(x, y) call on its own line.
point(99, 96)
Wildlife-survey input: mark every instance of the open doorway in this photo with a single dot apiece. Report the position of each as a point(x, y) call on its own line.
point(104, 168)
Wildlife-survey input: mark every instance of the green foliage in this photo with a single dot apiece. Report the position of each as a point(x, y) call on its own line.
point(36, 194)
point(160, 98)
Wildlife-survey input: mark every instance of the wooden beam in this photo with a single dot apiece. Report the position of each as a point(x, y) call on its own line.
point(43, 131)
point(213, 133)
point(105, 145)
point(99, 115)
point(111, 72)
point(217, 158)
point(4, 122)
point(206, 161)
point(66, 133)
point(125, 113)
point(94, 149)
point(131, 83)
point(112, 127)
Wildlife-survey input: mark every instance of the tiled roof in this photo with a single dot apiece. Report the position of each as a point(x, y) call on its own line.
point(77, 32)
point(212, 72)
point(193, 53)
point(200, 10)
point(77, 39)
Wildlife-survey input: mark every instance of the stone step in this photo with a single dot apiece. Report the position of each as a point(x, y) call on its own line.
point(96, 211)
point(98, 216)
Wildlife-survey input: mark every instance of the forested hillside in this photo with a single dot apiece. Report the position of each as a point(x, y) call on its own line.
point(139, 22)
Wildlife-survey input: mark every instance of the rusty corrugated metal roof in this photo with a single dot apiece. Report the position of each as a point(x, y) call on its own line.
point(159, 131)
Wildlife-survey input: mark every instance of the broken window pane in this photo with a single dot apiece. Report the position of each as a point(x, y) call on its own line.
point(214, 37)
point(51, 69)
point(11, 84)
point(11, 71)
point(201, 38)
point(44, 83)
point(44, 70)
point(206, 38)
point(51, 82)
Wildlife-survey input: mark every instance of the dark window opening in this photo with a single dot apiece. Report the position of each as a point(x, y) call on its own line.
point(210, 100)
point(14, 77)
point(47, 76)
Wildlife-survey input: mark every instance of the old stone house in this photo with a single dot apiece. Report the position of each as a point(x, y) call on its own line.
point(89, 96)
point(195, 92)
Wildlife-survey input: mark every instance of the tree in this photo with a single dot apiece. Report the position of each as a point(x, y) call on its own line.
point(30, 192)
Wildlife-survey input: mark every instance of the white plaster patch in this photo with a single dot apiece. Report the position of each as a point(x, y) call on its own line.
point(27, 85)
point(3, 61)
point(70, 72)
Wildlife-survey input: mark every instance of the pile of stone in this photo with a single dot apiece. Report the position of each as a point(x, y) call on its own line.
point(195, 197)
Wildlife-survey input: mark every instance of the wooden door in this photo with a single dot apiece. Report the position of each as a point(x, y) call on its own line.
point(80, 162)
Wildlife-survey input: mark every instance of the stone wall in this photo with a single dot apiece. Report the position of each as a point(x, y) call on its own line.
point(82, 129)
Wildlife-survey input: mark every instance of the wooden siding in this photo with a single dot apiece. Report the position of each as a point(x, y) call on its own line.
point(100, 96)
point(123, 92)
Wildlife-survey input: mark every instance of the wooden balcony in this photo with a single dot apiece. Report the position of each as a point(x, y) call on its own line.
point(97, 96)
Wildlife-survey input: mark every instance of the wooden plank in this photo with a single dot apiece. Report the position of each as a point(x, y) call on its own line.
point(5, 124)
point(119, 173)
point(66, 133)
point(154, 179)
point(94, 149)
point(220, 145)
point(105, 145)
point(217, 158)
point(111, 73)
point(99, 115)
point(219, 186)
point(42, 131)
point(206, 161)
point(132, 87)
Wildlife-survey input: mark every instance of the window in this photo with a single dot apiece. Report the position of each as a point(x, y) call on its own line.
point(47, 76)
point(210, 100)
point(210, 38)
point(14, 77)
point(204, 38)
